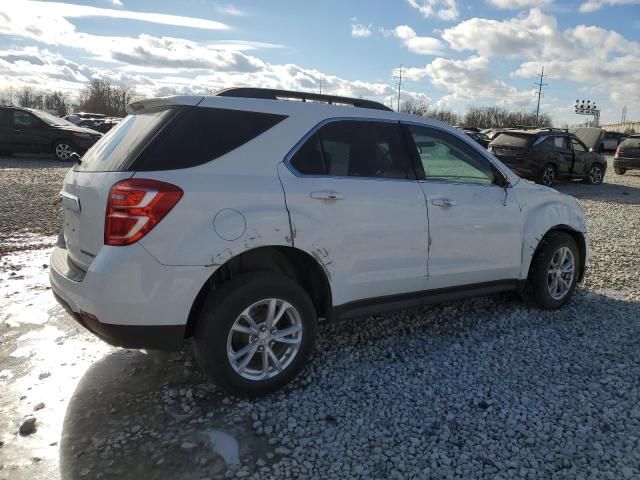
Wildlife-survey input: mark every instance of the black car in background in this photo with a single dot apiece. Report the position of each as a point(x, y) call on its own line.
point(627, 156)
point(25, 130)
point(478, 136)
point(547, 155)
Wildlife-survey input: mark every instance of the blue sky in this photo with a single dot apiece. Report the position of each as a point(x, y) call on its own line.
point(456, 53)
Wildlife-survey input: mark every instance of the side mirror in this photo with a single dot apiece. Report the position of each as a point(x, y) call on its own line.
point(75, 158)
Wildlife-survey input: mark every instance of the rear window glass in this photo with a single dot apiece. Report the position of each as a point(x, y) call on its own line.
point(513, 140)
point(631, 142)
point(199, 135)
point(115, 151)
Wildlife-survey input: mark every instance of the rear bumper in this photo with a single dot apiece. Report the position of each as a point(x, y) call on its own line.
point(626, 162)
point(127, 298)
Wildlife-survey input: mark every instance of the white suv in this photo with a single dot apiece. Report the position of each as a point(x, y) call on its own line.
point(242, 219)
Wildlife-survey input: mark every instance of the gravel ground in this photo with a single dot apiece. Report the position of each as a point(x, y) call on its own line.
point(481, 388)
point(28, 204)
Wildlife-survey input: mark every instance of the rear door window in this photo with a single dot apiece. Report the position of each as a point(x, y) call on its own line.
point(365, 149)
point(561, 142)
point(308, 159)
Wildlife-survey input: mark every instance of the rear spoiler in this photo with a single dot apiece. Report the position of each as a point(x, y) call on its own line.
point(141, 106)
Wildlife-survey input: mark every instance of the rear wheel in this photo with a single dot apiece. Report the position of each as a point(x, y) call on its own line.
point(255, 333)
point(619, 170)
point(596, 174)
point(554, 272)
point(63, 150)
point(548, 175)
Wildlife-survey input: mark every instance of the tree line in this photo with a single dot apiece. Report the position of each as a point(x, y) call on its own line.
point(481, 117)
point(99, 96)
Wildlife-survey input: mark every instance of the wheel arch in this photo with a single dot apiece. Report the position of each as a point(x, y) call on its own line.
point(577, 236)
point(289, 261)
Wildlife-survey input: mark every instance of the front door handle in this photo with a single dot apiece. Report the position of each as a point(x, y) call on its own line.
point(326, 195)
point(443, 202)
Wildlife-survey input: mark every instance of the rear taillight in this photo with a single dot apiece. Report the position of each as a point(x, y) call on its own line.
point(617, 154)
point(134, 207)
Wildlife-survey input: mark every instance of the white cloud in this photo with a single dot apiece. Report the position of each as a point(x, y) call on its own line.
point(29, 9)
point(470, 79)
point(518, 4)
point(229, 9)
point(116, 3)
point(594, 5)
point(361, 31)
point(443, 9)
point(417, 44)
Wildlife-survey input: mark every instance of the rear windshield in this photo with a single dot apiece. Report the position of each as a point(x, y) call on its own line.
point(116, 150)
point(512, 140)
point(631, 142)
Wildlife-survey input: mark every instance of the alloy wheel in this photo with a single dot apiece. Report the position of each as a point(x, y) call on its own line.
point(264, 339)
point(595, 174)
point(63, 151)
point(548, 176)
point(560, 273)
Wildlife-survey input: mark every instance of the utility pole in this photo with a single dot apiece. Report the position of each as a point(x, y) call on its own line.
point(398, 77)
point(540, 85)
point(624, 115)
point(321, 83)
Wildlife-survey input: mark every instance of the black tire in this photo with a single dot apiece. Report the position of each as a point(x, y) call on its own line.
point(536, 291)
point(221, 309)
point(595, 175)
point(548, 175)
point(619, 170)
point(62, 150)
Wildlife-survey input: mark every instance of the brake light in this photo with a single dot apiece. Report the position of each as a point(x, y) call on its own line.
point(617, 154)
point(135, 206)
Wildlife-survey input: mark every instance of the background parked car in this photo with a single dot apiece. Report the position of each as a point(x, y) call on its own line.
point(77, 117)
point(611, 140)
point(25, 130)
point(546, 155)
point(102, 125)
point(627, 156)
point(478, 136)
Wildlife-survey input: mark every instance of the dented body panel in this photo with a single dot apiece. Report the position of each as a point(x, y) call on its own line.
point(544, 209)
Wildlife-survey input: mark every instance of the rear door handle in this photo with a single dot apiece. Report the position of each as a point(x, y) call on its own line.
point(326, 195)
point(443, 202)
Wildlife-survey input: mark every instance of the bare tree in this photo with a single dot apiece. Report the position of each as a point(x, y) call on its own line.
point(56, 102)
point(100, 97)
point(422, 109)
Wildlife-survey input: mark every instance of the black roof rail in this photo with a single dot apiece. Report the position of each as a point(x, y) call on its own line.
point(275, 94)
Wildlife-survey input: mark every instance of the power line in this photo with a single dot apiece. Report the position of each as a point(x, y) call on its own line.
point(539, 84)
point(398, 77)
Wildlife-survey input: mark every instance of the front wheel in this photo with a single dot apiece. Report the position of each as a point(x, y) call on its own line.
point(63, 150)
point(255, 333)
point(596, 174)
point(548, 175)
point(554, 272)
point(619, 170)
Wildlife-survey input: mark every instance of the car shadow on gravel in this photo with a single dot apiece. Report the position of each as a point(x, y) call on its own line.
point(32, 161)
point(609, 192)
point(149, 415)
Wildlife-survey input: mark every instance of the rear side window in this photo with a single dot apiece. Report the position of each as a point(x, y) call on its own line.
point(117, 149)
point(561, 142)
point(199, 135)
